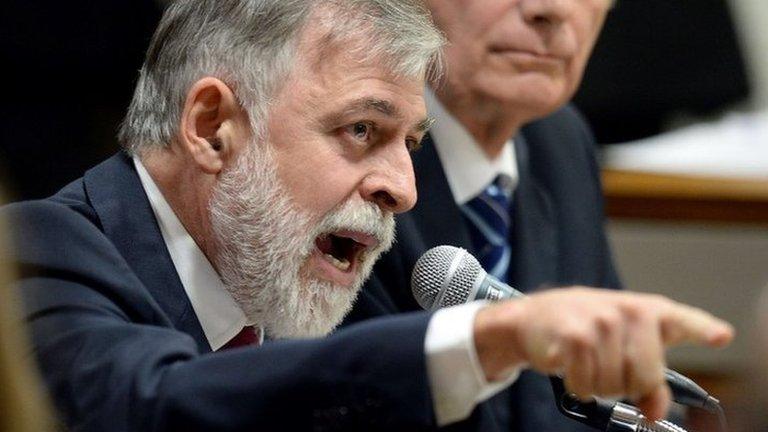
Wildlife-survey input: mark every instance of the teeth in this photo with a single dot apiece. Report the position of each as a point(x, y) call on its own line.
point(363, 256)
point(341, 265)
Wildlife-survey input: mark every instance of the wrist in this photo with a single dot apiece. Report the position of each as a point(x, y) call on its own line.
point(498, 346)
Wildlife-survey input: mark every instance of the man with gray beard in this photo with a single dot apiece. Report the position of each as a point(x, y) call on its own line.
point(266, 151)
point(263, 241)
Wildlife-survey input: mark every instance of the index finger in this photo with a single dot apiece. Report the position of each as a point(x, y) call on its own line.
point(682, 323)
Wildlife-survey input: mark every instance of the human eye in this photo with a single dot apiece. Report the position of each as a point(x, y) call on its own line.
point(360, 131)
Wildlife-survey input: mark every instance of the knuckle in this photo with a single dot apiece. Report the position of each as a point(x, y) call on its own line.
point(639, 313)
point(580, 339)
point(608, 321)
point(550, 359)
point(671, 334)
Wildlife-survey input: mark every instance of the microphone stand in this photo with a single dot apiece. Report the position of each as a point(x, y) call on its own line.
point(605, 415)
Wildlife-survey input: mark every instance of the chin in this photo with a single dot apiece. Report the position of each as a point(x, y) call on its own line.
point(313, 310)
point(511, 84)
point(536, 97)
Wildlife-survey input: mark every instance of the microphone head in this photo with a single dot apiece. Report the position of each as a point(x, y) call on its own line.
point(444, 277)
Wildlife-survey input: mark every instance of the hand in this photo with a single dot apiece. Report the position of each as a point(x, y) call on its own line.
point(605, 343)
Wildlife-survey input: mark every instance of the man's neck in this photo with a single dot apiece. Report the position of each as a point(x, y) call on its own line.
point(490, 124)
point(182, 189)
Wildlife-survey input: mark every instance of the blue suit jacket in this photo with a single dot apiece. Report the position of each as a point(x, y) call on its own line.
point(121, 349)
point(557, 239)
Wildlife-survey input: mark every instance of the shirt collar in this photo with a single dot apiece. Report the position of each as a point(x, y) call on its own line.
point(220, 317)
point(468, 169)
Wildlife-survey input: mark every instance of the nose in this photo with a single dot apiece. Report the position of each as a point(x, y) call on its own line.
point(546, 12)
point(391, 184)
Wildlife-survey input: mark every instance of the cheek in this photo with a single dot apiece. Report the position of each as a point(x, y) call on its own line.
point(316, 181)
point(585, 31)
point(588, 27)
point(467, 23)
point(465, 65)
point(574, 72)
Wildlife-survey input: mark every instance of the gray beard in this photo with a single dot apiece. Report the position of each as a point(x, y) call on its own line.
point(263, 244)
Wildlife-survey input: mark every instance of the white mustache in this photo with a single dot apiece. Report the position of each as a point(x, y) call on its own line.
point(365, 217)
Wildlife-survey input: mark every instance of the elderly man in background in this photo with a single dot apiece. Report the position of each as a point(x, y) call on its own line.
point(508, 171)
point(267, 151)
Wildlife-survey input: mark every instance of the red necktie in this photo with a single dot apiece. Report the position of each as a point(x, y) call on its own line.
point(247, 336)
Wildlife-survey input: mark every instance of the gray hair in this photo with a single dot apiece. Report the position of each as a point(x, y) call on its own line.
point(251, 46)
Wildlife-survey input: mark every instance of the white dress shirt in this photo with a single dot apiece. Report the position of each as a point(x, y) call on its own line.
point(468, 169)
point(220, 317)
point(456, 378)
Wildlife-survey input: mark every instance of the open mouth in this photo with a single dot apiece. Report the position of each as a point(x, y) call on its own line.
point(343, 249)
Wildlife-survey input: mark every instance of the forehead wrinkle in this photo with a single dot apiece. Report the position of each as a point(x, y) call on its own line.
point(362, 105)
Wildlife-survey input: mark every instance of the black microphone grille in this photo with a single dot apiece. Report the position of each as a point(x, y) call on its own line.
point(444, 277)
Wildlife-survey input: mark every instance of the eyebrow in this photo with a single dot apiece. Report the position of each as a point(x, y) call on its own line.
point(425, 125)
point(380, 105)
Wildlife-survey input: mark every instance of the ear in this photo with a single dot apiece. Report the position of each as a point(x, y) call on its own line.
point(209, 124)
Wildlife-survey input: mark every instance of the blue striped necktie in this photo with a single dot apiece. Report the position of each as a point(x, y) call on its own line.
point(488, 220)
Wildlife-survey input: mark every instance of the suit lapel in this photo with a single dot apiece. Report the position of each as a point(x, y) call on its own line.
point(118, 198)
point(533, 236)
point(437, 217)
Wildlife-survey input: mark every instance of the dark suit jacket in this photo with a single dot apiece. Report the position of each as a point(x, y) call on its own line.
point(557, 239)
point(121, 349)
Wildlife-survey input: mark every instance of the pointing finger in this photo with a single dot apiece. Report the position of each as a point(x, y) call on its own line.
point(681, 323)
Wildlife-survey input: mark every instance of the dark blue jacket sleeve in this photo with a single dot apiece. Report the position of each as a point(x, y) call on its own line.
point(113, 361)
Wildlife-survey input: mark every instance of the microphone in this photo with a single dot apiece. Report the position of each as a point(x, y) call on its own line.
point(447, 276)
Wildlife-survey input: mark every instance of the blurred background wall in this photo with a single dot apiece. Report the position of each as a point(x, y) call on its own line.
point(70, 68)
point(659, 59)
point(752, 29)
